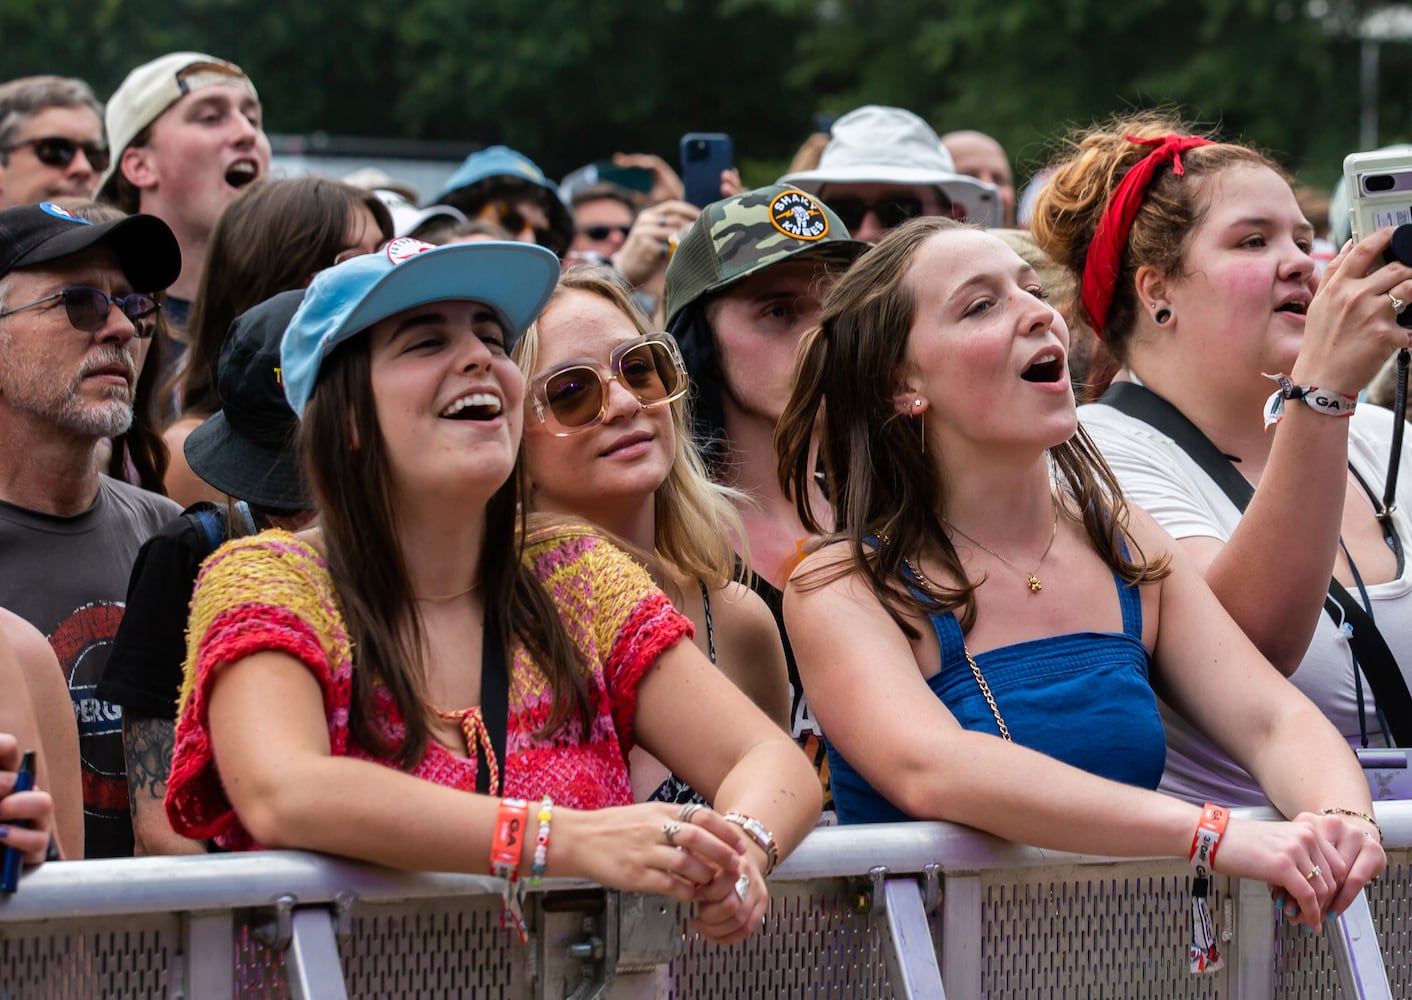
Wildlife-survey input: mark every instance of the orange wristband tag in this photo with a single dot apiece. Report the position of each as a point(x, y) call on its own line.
point(508, 846)
point(1209, 831)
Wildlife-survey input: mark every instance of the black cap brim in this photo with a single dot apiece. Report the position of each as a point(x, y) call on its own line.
point(146, 249)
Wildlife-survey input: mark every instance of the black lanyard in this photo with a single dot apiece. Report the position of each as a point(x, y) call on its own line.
point(494, 704)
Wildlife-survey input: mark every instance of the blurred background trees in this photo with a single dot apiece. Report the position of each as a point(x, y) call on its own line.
point(568, 81)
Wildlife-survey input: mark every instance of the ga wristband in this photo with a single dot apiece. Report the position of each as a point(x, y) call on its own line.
point(1325, 401)
point(1209, 830)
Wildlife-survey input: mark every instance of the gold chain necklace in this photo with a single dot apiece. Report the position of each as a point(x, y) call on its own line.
point(439, 598)
point(1034, 584)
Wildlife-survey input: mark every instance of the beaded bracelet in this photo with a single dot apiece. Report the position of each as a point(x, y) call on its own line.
point(1366, 817)
point(757, 832)
point(541, 840)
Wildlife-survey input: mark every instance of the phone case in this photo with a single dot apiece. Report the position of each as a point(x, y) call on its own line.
point(1379, 185)
point(703, 156)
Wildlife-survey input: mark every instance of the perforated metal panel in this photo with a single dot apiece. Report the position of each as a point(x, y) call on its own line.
point(813, 944)
point(120, 958)
point(1111, 933)
point(1304, 965)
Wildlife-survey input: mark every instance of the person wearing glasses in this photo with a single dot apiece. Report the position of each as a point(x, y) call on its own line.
point(500, 185)
point(273, 237)
point(463, 675)
point(51, 140)
point(608, 439)
point(75, 298)
point(885, 165)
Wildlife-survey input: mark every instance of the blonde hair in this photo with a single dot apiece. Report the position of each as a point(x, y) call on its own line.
point(695, 517)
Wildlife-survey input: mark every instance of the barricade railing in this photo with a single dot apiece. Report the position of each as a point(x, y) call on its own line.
point(920, 910)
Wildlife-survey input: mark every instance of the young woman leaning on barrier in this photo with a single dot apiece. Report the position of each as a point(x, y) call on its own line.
point(977, 639)
point(351, 689)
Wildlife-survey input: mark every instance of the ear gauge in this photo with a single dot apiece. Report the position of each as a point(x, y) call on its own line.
point(1162, 316)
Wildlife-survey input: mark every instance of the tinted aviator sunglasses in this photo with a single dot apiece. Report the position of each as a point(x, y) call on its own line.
point(88, 308)
point(890, 211)
point(573, 397)
point(603, 232)
point(57, 151)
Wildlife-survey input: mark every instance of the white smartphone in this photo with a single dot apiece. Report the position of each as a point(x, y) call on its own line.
point(1379, 185)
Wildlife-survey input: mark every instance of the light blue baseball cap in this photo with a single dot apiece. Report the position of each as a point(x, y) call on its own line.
point(494, 161)
point(514, 279)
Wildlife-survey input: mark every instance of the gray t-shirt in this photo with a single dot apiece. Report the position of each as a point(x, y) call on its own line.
point(68, 577)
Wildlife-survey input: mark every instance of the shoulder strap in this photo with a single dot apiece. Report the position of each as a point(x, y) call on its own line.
point(1369, 647)
point(212, 525)
point(494, 704)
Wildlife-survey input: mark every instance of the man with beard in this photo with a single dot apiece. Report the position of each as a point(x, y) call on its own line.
point(74, 295)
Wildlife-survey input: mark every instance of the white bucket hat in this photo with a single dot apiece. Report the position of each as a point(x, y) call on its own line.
point(881, 145)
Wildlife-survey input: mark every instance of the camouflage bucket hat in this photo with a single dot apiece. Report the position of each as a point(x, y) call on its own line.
point(736, 237)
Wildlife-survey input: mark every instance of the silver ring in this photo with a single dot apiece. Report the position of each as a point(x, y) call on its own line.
point(670, 830)
point(1314, 873)
point(1397, 304)
point(661, 220)
point(742, 885)
point(688, 810)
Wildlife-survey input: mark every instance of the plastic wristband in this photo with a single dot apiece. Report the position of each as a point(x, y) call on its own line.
point(1366, 817)
point(1209, 831)
point(505, 853)
point(1325, 401)
point(541, 840)
point(756, 831)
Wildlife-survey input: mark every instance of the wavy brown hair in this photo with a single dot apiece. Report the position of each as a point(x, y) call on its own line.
point(1092, 165)
point(880, 483)
point(348, 467)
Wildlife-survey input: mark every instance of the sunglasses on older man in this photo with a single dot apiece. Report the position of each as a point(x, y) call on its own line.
point(88, 308)
point(573, 397)
point(57, 151)
point(890, 211)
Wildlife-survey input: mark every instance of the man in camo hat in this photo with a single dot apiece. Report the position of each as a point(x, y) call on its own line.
point(743, 286)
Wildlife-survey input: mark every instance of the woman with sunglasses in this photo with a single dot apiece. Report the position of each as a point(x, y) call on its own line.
point(607, 439)
point(1011, 685)
point(466, 679)
point(1193, 259)
point(273, 237)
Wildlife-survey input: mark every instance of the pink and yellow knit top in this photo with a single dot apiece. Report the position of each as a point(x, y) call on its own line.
point(273, 592)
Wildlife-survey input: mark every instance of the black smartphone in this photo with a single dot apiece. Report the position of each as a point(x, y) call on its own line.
point(703, 156)
point(637, 179)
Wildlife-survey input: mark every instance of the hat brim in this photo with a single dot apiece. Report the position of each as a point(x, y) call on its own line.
point(979, 198)
point(515, 279)
point(146, 249)
point(258, 474)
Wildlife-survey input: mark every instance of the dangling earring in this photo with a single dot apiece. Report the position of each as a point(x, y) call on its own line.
point(1162, 316)
point(916, 408)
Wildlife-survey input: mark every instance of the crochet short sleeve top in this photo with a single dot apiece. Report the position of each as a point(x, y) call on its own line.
point(273, 592)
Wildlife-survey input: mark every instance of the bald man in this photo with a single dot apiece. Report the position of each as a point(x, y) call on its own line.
point(978, 155)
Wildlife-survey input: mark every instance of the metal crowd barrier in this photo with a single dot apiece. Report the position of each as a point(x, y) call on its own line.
point(924, 910)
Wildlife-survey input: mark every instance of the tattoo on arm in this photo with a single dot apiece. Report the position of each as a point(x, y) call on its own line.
point(147, 747)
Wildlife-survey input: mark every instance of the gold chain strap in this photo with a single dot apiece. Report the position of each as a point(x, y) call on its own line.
point(985, 692)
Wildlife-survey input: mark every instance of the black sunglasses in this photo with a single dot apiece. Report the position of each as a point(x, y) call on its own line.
point(603, 232)
point(57, 151)
point(515, 223)
point(890, 211)
point(88, 308)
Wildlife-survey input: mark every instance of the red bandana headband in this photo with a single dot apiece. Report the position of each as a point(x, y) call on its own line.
point(1110, 239)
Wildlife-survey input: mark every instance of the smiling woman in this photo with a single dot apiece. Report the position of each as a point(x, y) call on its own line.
point(420, 646)
point(983, 631)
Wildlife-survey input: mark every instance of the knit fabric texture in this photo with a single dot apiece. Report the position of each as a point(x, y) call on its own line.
point(272, 592)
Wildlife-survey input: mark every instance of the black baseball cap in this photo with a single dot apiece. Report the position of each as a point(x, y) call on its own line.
point(248, 448)
point(147, 250)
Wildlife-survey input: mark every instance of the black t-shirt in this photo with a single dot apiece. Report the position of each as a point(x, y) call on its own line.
point(145, 666)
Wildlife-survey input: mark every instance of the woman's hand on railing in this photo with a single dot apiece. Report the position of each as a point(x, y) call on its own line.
point(1314, 865)
point(730, 907)
point(34, 807)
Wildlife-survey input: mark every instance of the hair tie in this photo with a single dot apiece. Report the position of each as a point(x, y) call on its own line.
point(1110, 238)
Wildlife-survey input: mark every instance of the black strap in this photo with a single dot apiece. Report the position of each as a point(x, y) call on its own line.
point(494, 704)
point(1369, 647)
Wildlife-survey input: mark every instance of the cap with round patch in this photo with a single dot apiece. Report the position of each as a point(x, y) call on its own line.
point(736, 237)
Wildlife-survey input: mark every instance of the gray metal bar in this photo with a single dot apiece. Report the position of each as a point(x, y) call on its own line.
point(312, 965)
point(961, 934)
point(1357, 954)
point(1249, 963)
point(907, 942)
point(206, 956)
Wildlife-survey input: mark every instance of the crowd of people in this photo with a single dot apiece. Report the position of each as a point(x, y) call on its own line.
point(670, 531)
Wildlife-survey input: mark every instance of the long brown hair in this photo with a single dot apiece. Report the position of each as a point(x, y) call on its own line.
point(273, 237)
point(879, 482)
point(349, 473)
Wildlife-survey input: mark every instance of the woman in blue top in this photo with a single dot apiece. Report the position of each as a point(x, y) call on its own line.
point(977, 645)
